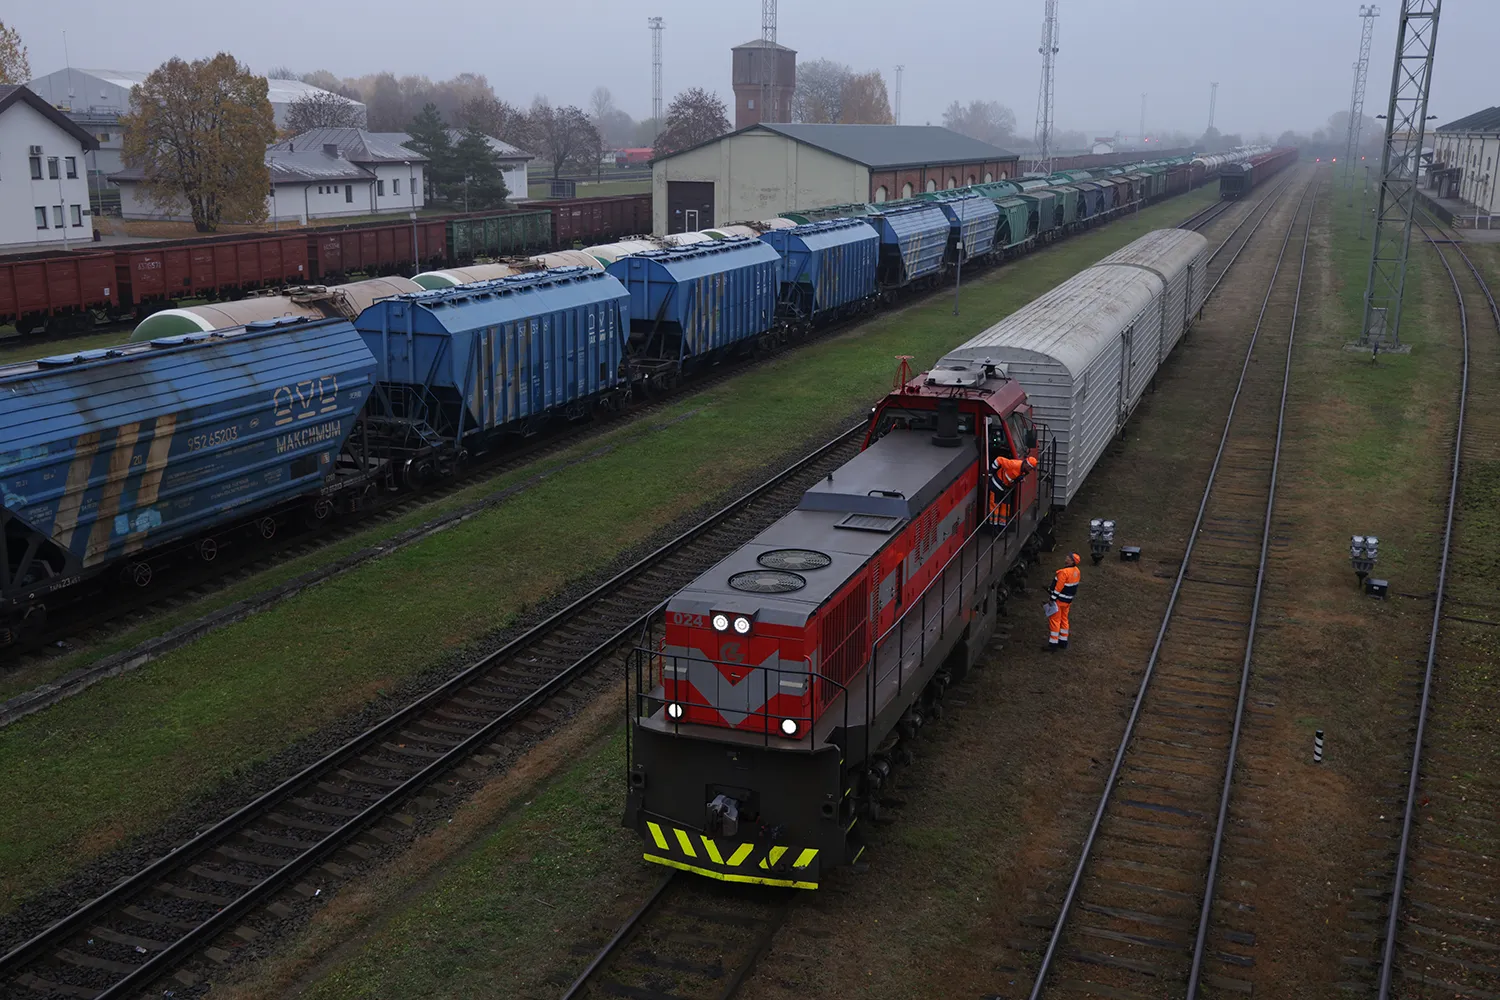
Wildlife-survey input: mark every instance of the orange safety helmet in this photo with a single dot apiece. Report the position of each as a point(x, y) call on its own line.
point(1074, 559)
point(1031, 461)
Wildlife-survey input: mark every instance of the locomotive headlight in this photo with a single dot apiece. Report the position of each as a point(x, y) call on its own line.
point(721, 622)
point(674, 710)
point(789, 726)
point(742, 624)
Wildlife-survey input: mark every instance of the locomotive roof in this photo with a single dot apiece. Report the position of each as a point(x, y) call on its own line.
point(847, 518)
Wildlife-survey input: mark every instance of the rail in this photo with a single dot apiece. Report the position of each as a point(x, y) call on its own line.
point(1408, 812)
point(46, 942)
point(1065, 911)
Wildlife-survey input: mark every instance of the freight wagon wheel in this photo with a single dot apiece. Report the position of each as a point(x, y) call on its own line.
point(139, 573)
point(208, 550)
point(322, 508)
point(267, 527)
point(34, 618)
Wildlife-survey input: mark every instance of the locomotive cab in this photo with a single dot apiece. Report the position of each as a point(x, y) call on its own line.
point(767, 707)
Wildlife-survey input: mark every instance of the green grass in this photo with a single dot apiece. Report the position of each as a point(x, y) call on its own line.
point(593, 189)
point(119, 759)
point(503, 920)
point(29, 348)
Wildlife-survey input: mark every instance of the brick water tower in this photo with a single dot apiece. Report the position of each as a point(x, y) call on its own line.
point(764, 75)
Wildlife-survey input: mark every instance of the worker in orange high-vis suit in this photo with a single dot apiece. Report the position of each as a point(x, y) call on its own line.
point(1064, 589)
point(1002, 477)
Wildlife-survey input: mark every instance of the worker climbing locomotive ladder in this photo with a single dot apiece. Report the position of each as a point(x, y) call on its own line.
point(1004, 475)
point(1064, 589)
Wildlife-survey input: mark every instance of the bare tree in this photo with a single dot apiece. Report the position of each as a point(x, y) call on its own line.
point(694, 116)
point(601, 103)
point(819, 96)
point(563, 135)
point(282, 72)
point(987, 121)
point(321, 109)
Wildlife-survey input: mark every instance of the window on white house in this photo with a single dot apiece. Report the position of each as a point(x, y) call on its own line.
point(77, 214)
point(52, 168)
point(103, 136)
point(57, 216)
point(36, 168)
point(41, 217)
point(349, 193)
point(72, 165)
point(380, 189)
point(395, 185)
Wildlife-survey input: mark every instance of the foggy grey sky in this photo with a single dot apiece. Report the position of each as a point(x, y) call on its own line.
point(1280, 63)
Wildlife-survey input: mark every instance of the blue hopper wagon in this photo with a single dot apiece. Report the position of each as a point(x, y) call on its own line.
point(972, 220)
point(686, 303)
point(106, 454)
point(457, 365)
point(827, 268)
point(913, 242)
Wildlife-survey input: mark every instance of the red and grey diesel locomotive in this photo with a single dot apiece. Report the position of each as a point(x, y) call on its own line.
point(781, 687)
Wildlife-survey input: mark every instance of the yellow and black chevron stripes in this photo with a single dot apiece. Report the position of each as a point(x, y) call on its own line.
point(734, 861)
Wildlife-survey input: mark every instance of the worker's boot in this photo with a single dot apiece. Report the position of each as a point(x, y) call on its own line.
point(1063, 644)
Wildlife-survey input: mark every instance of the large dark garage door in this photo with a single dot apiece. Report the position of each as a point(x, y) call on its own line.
point(690, 206)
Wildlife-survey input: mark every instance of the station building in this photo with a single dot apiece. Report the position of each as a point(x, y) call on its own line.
point(1465, 160)
point(44, 194)
point(769, 168)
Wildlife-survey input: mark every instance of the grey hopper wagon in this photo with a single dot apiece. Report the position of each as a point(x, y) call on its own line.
point(1086, 351)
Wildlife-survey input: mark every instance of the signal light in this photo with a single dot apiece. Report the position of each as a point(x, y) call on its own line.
point(741, 625)
point(720, 622)
point(789, 726)
point(674, 710)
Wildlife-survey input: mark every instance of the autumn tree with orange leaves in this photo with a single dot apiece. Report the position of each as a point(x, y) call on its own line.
point(14, 66)
point(200, 130)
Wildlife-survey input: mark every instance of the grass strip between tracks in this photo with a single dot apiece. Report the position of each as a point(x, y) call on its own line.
point(119, 759)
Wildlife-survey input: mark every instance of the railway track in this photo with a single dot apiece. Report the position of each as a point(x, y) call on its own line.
point(343, 808)
point(1441, 933)
point(1136, 918)
point(691, 940)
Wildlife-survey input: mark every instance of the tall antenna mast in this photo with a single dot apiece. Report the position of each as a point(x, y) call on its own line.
point(1367, 16)
point(1142, 136)
point(1400, 156)
point(1050, 43)
point(1213, 102)
point(900, 68)
point(768, 61)
point(656, 26)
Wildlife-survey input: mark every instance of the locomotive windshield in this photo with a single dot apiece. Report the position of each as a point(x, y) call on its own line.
point(902, 419)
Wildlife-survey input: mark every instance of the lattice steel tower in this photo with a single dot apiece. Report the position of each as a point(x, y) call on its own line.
point(1213, 101)
point(1400, 155)
point(1367, 16)
point(768, 111)
point(656, 26)
point(900, 68)
point(1050, 42)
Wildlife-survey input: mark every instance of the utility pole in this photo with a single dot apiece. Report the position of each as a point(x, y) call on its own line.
point(768, 61)
point(656, 26)
point(1400, 155)
point(900, 68)
point(1051, 40)
point(1367, 16)
point(1213, 101)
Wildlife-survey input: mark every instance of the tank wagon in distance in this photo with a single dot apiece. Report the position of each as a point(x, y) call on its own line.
point(306, 302)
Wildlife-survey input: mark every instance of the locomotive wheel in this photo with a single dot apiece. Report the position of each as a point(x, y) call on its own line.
point(208, 550)
point(140, 574)
point(267, 527)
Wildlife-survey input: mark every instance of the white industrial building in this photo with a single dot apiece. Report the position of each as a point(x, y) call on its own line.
point(770, 168)
point(44, 194)
point(326, 173)
point(1465, 161)
point(96, 98)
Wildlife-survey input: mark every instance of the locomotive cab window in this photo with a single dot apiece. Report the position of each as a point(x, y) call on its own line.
point(895, 418)
point(999, 443)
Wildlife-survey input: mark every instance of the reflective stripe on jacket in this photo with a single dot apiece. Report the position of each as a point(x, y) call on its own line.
point(1065, 584)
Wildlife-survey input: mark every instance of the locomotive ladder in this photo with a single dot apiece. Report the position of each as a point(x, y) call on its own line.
point(1136, 914)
